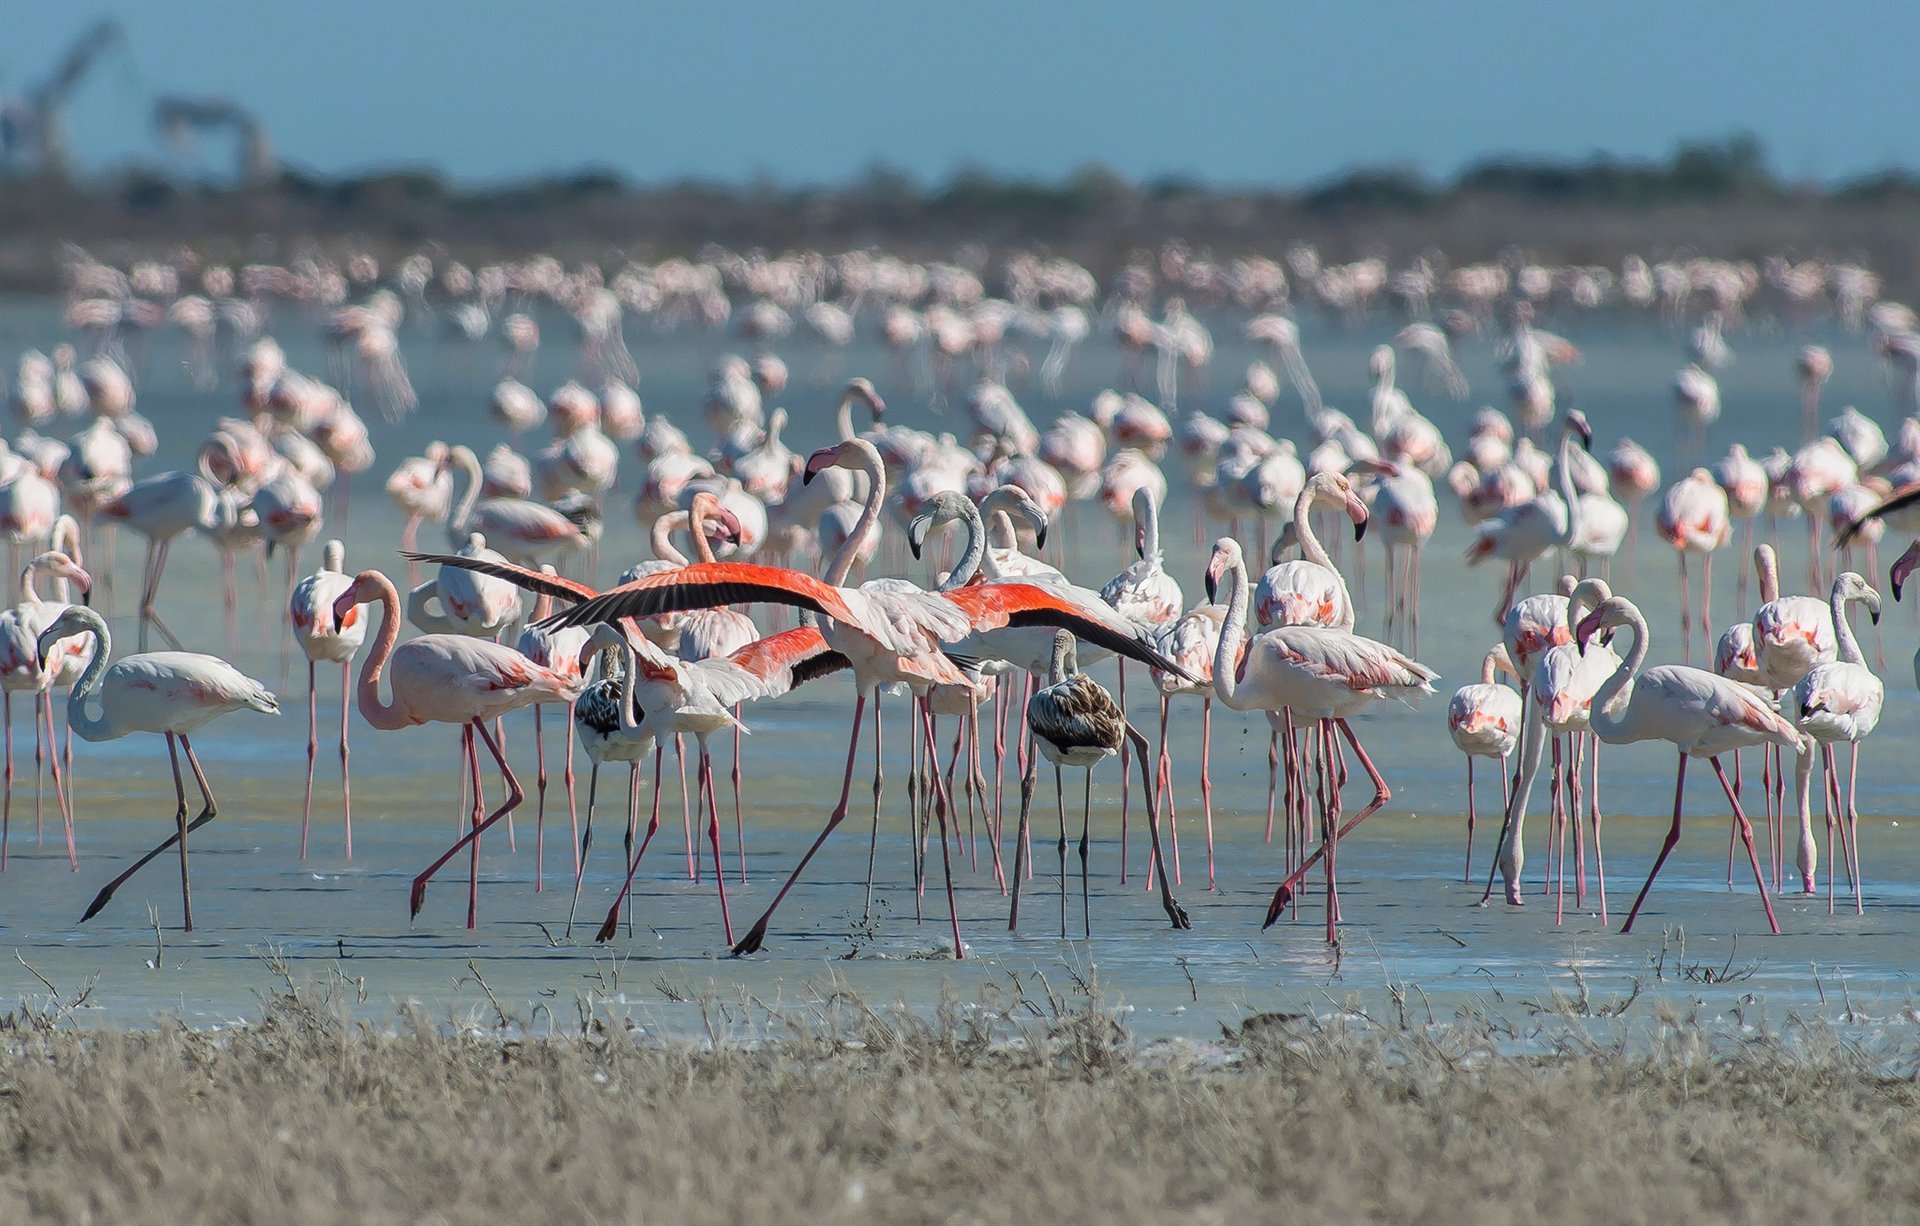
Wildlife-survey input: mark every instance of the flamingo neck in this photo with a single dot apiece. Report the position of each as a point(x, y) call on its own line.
point(697, 526)
point(1564, 483)
point(469, 464)
point(384, 716)
point(1766, 568)
point(1226, 682)
point(845, 418)
point(869, 463)
point(662, 537)
point(89, 727)
point(1312, 551)
point(972, 556)
point(1150, 532)
point(1610, 700)
point(1847, 647)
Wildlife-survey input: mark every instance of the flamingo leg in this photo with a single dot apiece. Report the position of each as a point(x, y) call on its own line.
point(1381, 795)
point(1206, 777)
point(1666, 847)
point(1126, 752)
point(514, 796)
point(540, 800)
point(873, 840)
point(180, 826)
point(1060, 807)
point(1467, 873)
point(1022, 851)
point(346, 756)
point(6, 803)
point(59, 787)
point(1853, 826)
point(1746, 836)
point(739, 816)
point(756, 936)
point(586, 840)
point(313, 748)
point(1086, 819)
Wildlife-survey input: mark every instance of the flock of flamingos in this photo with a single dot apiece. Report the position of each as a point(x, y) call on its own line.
point(991, 635)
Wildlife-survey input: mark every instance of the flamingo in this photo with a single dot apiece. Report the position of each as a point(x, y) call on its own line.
point(1318, 674)
point(1074, 723)
point(448, 679)
point(1484, 721)
point(21, 671)
point(890, 632)
point(611, 729)
point(422, 487)
point(173, 693)
point(1701, 715)
point(1403, 501)
point(1521, 534)
point(1838, 702)
point(161, 508)
point(1191, 641)
point(323, 639)
point(469, 603)
point(528, 532)
point(1694, 519)
point(1146, 594)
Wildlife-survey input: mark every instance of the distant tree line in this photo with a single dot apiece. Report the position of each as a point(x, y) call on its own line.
point(1715, 196)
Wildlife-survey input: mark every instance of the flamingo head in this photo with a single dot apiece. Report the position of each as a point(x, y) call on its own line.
point(1577, 422)
point(60, 566)
point(1610, 613)
point(860, 391)
point(1851, 586)
point(72, 621)
point(945, 507)
point(1902, 567)
point(365, 587)
point(1226, 557)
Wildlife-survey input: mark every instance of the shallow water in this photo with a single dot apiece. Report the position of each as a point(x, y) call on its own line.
point(1411, 927)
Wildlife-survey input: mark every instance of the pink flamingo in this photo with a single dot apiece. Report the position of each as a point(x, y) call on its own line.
point(1484, 721)
point(335, 642)
point(161, 508)
point(173, 693)
point(1701, 715)
point(449, 679)
point(1838, 702)
point(1694, 519)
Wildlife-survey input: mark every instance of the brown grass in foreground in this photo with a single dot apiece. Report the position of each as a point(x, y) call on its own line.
point(860, 1115)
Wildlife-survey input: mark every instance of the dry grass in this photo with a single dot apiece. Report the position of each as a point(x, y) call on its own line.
point(1030, 1110)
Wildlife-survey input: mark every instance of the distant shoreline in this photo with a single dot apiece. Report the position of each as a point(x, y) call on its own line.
point(1714, 200)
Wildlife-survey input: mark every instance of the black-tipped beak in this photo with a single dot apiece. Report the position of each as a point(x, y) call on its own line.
point(1360, 531)
point(1874, 614)
point(86, 596)
point(1040, 537)
point(1897, 583)
point(914, 541)
point(1211, 585)
point(806, 477)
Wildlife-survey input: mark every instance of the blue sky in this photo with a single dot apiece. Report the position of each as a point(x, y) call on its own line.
point(1231, 90)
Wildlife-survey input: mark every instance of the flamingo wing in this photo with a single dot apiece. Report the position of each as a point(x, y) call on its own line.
point(991, 606)
point(534, 581)
point(705, 584)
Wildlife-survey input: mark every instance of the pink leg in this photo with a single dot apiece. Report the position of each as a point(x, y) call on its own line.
point(1467, 875)
point(1746, 836)
point(1666, 847)
point(513, 798)
point(6, 804)
point(1381, 794)
point(540, 800)
point(943, 805)
point(1206, 777)
point(1126, 754)
point(59, 787)
point(757, 935)
point(313, 748)
point(346, 757)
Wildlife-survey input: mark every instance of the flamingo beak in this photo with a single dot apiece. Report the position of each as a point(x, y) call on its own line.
point(917, 533)
point(816, 463)
point(1040, 535)
point(345, 602)
point(1357, 512)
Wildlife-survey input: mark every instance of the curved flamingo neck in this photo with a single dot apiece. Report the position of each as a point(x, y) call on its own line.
point(662, 537)
point(1846, 646)
point(1611, 699)
point(469, 464)
point(973, 555)
point(384, 716)
point(1304, 535)
point(1310, 548)
point(1150, 530)
point(697, 527)
point(89, 727)
point(1226, 682)
point(868, 462)
point(1564, 483)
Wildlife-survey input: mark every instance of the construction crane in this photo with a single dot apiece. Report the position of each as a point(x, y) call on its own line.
point(31, 134)
point(182, 121)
